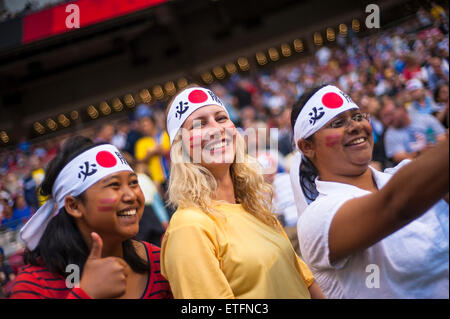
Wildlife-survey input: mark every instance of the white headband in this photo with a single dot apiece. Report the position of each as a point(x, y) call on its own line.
point(185, 104)
point(322, 107)
point(78, 175)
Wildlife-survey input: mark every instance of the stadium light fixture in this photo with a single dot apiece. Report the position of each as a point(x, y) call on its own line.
point(92, 112)
point(38, 127)
point(261, 58)
point(74, 115)
point(356, 25)
point(219, 73)
point(182, 83)
point(273, 54)
point(243, 64)
point(145, 95)
point(331, 35)
point(286, 50)
point(4, 137)
point(51, 124)
point(298, 45)
point(117, 104)
point(207, 77)
point(158, 92)
point(105, 108)
point(231, 68)
point(129, 100)
point(318, 40)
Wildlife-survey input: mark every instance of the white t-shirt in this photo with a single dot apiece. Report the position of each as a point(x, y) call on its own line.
point(413, 262)
point(284, 199)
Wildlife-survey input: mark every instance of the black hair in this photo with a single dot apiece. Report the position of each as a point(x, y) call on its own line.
point(308, 172)
point(436, 91)
point(62, 243)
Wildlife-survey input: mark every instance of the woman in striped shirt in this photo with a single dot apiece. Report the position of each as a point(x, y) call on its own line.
point(84, 248)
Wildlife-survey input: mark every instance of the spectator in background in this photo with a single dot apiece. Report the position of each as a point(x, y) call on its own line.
point(284, 131)
point(30, 189)
point(248, 117)
point(105, 133)
point(283, 199)
point(380, 124)
point(133, 134)
point(229, 101)
point(437, 72)
point(21, 210)
point(410, 133)
point(243, 93)
point(437, 12)
point(372, 106)
point(38, 174)
point(412, 69)
point(5, 208)
point(119, 140)
point(7, 275)
point(420, 101)
point(441, 97)
point(152, 149)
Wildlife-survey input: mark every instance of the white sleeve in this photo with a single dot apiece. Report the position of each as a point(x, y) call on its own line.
point(313, 229)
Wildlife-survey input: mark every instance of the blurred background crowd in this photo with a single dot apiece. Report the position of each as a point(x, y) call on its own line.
point(400, 76)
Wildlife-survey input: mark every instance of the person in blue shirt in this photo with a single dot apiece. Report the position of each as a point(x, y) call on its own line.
point(20, 213)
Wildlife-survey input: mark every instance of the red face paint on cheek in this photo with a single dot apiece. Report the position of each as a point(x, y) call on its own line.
point(106, 204)
point(332, 140)
point(195, 140)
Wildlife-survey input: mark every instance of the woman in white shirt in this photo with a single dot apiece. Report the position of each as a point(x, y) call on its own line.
point(365, 233)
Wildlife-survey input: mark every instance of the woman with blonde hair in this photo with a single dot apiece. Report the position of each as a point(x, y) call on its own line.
point(223, 241)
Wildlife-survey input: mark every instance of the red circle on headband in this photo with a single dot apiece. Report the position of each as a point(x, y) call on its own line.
point(106, 159)
point(332, 100)
point(197, 96)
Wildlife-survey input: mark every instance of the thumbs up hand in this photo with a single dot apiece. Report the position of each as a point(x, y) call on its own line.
point(103, 277)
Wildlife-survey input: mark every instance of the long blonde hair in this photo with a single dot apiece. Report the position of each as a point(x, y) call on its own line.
point(192, 185)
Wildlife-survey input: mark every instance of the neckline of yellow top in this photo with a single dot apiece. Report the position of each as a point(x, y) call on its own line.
point(223, 203)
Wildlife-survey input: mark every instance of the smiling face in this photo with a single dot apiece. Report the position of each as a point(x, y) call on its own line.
point(112, 207)
point(345, 150)
point(209, 137)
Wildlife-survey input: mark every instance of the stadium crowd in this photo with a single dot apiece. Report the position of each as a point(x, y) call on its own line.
point(400, 76)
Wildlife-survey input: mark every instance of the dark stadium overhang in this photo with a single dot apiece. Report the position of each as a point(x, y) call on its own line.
point(177, 39)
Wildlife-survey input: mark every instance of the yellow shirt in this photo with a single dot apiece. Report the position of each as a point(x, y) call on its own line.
point(233, 257)
point(157, 166)
point(38, 176)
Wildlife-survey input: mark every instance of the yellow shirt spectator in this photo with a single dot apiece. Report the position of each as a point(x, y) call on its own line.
point(157, 164)
point(234, 256)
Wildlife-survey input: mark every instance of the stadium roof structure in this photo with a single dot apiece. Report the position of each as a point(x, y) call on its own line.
point(123, 53)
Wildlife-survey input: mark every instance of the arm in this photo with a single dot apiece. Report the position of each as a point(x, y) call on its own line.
point(394, 148)
point(27, 286)
point(398, 157)
point(315, 291)
point(361, 222)
point(156, 150)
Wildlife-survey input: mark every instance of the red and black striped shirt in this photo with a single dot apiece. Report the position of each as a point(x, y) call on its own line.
point(36, 282)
